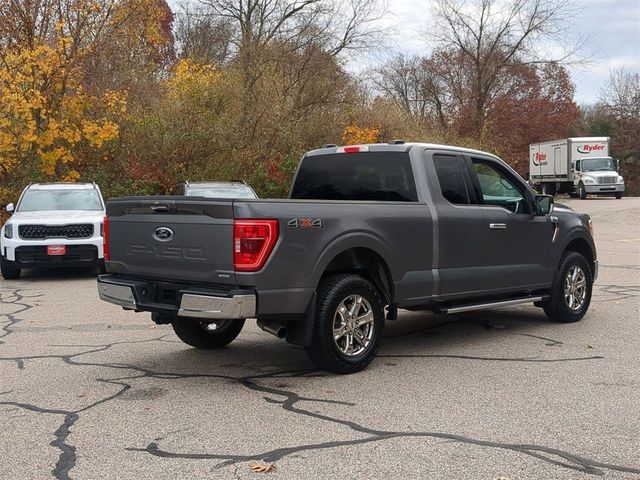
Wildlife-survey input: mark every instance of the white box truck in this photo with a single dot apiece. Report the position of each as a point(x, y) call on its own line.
point(577, 166)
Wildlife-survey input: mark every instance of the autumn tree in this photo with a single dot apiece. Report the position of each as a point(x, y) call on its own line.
point(619, 104)
point(46, 114)
point(60, 104)
point(494, 36)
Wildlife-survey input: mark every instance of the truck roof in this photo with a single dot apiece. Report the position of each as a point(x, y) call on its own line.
point(574, 139)
point(401, 147)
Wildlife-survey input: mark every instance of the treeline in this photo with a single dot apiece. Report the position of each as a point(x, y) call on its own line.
point(137, 97)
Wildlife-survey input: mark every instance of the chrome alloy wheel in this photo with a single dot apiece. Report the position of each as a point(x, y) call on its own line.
point(353, 325)
point(575, 288)
point(214, 327)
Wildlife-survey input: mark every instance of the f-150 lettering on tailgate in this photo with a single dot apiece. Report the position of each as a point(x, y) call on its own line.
point(165, 251)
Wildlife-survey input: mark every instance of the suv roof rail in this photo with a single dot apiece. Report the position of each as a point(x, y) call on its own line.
point(328, 145)
point(396, 142)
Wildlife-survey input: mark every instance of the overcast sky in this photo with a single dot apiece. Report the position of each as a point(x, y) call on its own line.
point(615, 23)
point(616, 41)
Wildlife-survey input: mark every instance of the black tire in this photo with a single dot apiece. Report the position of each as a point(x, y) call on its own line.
point(582, 191)
point(618, 196)
point(195, 332)
point(557, 307)
point(10, 270)
point(333, 292)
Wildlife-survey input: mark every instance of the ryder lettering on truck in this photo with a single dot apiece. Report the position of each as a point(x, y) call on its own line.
point(587, 148)
point(539, 158)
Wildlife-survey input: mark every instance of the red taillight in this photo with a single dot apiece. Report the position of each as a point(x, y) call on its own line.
point(105, 238)
point(253, 241)
point(353, 149)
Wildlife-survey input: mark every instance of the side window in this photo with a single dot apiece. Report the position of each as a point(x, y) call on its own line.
point(578, 162)
point(498, 188)
point(452, 182)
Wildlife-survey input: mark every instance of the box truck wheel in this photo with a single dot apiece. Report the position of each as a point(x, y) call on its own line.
point(582, 192)
point(549, 188)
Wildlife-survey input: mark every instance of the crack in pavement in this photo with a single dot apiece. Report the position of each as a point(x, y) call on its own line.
point(290, 399)
point(6, 294)
point(619, 292)
point(286, 398)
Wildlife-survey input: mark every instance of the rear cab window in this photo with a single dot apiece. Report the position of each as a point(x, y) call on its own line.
point(381, 176)
point(451, 179)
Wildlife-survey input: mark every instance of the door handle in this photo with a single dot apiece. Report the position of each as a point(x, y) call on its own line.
point(498, 226)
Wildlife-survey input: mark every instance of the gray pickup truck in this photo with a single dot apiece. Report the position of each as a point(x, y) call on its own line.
point(367, 230)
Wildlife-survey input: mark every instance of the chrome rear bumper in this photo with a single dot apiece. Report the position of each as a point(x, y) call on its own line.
point(130, 295)
point(118, 294)
point(205, 306)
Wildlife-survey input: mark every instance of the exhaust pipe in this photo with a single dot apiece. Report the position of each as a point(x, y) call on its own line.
point(276, 329)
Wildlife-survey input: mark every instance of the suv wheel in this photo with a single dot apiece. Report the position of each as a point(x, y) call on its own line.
point(571, 290)
point(10, 270)
point(207, 334)
point(618, 196)
point(348, 324)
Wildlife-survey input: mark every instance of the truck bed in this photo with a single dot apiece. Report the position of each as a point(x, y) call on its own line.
point(200, 251)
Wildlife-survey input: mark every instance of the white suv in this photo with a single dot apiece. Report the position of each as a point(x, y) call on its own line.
point(53, 225)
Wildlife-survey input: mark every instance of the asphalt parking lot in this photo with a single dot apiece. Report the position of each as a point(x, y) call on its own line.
point(90, 391)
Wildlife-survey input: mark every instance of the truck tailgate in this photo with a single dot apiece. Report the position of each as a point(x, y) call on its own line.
point(172, 238)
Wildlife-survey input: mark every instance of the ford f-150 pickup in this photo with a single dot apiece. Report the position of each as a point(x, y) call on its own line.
point(367, 230)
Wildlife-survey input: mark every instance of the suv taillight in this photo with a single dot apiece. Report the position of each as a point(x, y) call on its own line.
point(105, 237)
point(253, 242)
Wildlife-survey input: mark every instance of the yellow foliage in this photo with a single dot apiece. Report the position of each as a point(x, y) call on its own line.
point(354, 135)
point(189, 77)
point(45, 113)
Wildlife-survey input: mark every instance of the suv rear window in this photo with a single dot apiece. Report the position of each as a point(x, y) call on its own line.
point(383, 176)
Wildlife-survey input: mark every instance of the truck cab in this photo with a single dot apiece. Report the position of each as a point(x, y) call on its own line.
point(597, 176)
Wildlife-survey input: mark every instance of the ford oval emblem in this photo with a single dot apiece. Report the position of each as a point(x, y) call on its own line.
point(163, 234)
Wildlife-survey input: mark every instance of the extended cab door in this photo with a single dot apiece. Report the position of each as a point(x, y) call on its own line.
point(461, 232)
point(516, 256)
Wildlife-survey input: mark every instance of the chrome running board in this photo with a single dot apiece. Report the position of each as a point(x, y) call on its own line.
point(484, 305)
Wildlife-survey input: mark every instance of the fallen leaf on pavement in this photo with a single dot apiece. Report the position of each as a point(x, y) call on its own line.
point(589, 345)
point(262, 467)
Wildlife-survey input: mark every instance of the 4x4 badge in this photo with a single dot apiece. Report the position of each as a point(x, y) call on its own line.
point(305, 223)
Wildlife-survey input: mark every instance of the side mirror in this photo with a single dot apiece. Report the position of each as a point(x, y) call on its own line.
point(544, 204)
point(10, 208)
